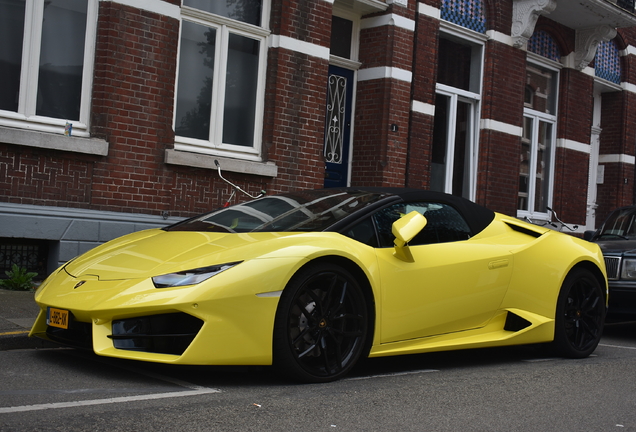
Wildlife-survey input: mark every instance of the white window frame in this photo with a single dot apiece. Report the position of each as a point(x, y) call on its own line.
point(25, 117)
point(224, 27)
point(456, 96)
point(473, 98)
point(538, 116)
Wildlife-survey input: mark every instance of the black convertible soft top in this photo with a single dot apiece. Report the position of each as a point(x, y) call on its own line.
point(477, 217)
point(331, 209)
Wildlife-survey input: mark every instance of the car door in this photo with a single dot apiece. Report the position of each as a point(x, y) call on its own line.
point(453, 283)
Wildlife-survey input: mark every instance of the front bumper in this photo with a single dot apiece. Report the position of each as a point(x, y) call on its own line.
point(622, 300)
point(220, 322)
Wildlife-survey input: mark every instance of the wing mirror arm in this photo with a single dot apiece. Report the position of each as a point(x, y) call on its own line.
point(404, 230)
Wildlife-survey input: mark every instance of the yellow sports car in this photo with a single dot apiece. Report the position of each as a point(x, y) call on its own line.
point(312, 281)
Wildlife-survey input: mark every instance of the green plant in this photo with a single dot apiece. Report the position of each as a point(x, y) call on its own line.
point(19, 279)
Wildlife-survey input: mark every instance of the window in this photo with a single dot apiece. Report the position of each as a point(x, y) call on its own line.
point(341, 37)
point(453, 164)
point(220, 81)
point(537, 142)
point(46, 63)
point(444, 223)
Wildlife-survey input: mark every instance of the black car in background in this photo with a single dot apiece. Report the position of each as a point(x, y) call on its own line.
point(617, 239)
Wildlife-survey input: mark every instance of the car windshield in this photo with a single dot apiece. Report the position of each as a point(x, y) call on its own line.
point(313, 210)
point(620, 224)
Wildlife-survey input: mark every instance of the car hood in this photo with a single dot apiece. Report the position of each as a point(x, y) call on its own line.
point(155, 252)
point(617, 247)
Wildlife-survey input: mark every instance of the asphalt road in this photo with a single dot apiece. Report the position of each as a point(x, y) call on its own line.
point(510, 389)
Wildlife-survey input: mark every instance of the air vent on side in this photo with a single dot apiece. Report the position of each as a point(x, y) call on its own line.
point(515, 323)
point(524, 230)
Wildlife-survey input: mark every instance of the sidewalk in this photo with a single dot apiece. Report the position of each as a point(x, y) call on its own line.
point(18, 312)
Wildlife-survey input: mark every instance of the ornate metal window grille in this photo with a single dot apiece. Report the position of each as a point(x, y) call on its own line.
point(607, 63)
point(466, 13)
point(543, 43)
point(336, 106)
point(30, 254)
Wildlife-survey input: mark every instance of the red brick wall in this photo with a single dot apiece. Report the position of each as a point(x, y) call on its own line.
point(570, 185)
point(296, 97)
point(425, 59)
point(45, 177)
point(133, 96)
point(502, 101)
point(424, 80)
point(498, 171)
point(498, 15)
point(618, 124)
point(504, 83)
point(380, 154)
point(576, 104)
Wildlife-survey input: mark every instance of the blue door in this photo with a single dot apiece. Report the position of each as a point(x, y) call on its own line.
point(338, 126)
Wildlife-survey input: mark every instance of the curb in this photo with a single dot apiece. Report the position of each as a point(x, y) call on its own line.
point(21, 340)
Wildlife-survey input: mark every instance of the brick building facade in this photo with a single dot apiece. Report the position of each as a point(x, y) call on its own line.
point(114, 112)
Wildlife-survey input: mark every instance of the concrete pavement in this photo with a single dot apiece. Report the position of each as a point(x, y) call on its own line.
point(18, 312)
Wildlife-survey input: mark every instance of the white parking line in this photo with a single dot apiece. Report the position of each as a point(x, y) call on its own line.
point(617, 346)
point(391, 374)
point(193, 390)
point(72, 404)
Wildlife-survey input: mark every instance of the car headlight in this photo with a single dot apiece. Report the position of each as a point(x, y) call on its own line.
point(190, 277)
point(629, 269)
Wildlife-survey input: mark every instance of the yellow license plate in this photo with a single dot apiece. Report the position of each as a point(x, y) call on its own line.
point(57, 318)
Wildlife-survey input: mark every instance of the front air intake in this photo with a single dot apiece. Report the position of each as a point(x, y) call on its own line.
point(161, 334)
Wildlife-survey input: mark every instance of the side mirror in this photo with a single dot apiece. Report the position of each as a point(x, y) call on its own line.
point(587, 235)
point(404, 230)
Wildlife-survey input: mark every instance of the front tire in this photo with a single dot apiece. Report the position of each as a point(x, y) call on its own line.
point(580, 315)
point(322, 324)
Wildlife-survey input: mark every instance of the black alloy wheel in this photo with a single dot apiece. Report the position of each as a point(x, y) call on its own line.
point(322, 324)
point(580, 315)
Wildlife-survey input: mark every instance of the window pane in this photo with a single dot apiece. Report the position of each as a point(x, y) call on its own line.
point(444, 223)
point(248, 11)
point(461, 158)
point(62, 59)
point(194, 94)
point(440, 143)
point(543, 167)
point(454, 64)
point(341, 31)
point(542, 89)
point(240, 91)
point(524, 169)
point(11, 29)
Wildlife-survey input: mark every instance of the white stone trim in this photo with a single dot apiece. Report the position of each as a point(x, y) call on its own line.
point(197, 160)
point(500, 37)
point(573, 145)
point(586, 42)
point(616, 158)
point(158, 7)
point(382, 72)
point(628, 87)
point(31, 138)
point(388, 20)
point(498, 126)
point(429, 11)
point(524, 17)
point(278, 41)
point(423, 108)
point(631, 49)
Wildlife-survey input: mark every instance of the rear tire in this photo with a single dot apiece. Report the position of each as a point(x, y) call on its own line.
point(580, 315)
point(322, 324)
